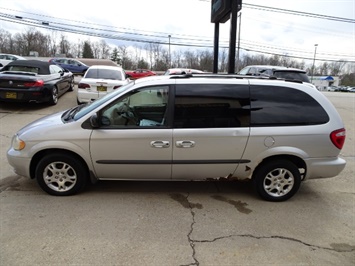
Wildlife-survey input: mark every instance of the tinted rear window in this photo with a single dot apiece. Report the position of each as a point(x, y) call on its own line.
point(103, 74)
point(282, 106)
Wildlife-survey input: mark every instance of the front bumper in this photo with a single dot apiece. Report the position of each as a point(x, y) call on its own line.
point(20, 164)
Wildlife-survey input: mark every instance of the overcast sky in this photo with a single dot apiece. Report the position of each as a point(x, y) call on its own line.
point(189, 21)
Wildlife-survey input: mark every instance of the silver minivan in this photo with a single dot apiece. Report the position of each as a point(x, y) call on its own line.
point(185, 127)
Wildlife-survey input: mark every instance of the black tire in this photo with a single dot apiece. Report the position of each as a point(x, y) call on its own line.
point(71, 85)
point(54, 96)
point(277, 180)
point(61, 174)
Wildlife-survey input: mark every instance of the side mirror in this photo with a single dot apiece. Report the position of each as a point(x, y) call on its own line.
point(94, 121)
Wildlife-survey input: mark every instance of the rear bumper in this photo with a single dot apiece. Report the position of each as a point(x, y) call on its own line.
point(85, 96)
point(28, 95)
point(324, 167)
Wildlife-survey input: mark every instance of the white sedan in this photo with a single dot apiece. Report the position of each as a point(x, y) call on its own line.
point(7, 58)
point(100, 80)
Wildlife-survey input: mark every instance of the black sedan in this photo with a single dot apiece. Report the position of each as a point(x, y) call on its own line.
point(34, 81)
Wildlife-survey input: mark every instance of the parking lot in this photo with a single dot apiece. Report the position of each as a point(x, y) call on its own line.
point(174, 223)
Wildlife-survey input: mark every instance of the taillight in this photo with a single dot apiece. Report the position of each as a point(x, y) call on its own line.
point(83, 86)
point(338, 137)
point(116, 87)
point(37, 83)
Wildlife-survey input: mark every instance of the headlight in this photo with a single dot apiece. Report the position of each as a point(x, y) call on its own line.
point(17, 143)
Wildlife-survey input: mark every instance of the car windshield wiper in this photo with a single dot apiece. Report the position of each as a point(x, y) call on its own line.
point(70, 113)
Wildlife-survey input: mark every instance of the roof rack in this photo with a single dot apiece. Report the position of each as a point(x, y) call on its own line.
point(229, 76)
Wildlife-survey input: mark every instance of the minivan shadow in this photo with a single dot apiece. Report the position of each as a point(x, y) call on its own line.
point(200, 187)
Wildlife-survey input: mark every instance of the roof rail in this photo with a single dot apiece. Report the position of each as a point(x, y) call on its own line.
point(230, 76)
point(222, 76)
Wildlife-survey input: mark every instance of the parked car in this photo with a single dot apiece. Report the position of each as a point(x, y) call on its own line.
point(7, 58)
point(179, 71)
point(73, 65)
point(333, 88)
point(140, 73)
point(100, 80)
point(278, 72)
point(205, 128)
point(351, 89)
point(34, 81)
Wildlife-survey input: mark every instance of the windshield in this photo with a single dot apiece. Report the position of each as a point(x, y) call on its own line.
point(93, 105)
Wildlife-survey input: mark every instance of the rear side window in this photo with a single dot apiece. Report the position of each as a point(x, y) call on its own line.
point(211, 106)
point(282, 106)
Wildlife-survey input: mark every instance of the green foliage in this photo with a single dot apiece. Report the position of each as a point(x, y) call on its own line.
point(142, 64)
point(115, 56)
point(87, 50)
point(348, 80)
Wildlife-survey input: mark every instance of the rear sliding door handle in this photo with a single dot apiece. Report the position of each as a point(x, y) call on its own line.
point(160, 144)
point(185, 144)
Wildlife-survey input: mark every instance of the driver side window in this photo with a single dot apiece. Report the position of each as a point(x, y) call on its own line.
point(146, 107)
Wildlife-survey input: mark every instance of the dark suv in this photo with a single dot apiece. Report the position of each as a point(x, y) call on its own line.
point(276, 71)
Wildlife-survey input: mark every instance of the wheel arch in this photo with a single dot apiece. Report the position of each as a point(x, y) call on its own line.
point(39, 155)
point(292, 158)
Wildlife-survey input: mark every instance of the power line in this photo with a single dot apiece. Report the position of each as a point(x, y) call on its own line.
point(293, 12)
point(145, 37)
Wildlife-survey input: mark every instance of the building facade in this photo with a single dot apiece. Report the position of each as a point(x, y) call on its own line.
point(323, 82)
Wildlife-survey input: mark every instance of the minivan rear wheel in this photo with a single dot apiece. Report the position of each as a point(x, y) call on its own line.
point(61, 174)
point(277, 180)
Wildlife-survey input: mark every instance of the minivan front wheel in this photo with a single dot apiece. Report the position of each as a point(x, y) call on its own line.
point(277, 180)
point(61, 174)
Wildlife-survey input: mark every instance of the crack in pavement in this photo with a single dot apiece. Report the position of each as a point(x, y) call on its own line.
point(191, 242)
point(336, 247)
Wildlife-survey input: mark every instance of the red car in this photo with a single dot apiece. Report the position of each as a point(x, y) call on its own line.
point(140, 73)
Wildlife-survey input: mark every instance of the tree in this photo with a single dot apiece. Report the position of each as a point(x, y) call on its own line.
point(5, 42)
point(206, 61)
point(126, 60)
point(87, 51)
point(336, 67)
point(95, 47)
point(348, 80)
point(104, 49)
point(115, 57)
point(143, 64)
point(64, 45)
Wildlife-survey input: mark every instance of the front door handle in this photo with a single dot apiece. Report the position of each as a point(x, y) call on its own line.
point(185, 144)
point(160, 144)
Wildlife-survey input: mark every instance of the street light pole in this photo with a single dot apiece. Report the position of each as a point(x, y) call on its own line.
point(169, 51)
point(314, 60)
